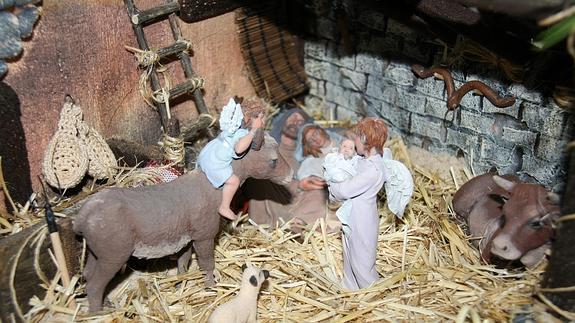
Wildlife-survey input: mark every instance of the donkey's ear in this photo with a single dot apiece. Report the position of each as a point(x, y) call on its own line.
point(244, 266)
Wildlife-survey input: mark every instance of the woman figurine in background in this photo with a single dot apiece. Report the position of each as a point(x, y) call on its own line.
point(360, 242)
point(215, 159)
point(314, 143)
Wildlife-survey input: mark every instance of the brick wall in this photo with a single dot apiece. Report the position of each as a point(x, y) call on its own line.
point(376, 80)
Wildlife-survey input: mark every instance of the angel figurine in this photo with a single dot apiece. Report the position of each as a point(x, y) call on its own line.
point(215, 159)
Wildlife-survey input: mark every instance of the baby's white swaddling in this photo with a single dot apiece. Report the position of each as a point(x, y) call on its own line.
point(338, 169)
point(398, 185)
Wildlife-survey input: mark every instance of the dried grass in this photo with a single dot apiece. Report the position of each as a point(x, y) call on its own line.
point(429, 272)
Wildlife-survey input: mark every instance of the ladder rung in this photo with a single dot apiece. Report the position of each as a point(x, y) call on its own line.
point(181, 89)
point(150, 14)
point(175, 48)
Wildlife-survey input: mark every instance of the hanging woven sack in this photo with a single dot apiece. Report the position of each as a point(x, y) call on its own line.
point(102, 162)
point(65, 159)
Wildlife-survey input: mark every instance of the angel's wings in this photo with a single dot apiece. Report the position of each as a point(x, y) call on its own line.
point(399, 185)
point(231, 118)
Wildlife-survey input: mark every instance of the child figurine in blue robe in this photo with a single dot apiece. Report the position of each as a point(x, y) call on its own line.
point(215, 159)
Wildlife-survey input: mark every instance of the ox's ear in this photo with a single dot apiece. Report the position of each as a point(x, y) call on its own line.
point(505, 184)
point(553, 197)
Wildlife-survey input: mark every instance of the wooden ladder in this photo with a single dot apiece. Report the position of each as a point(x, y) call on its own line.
point(141, 18)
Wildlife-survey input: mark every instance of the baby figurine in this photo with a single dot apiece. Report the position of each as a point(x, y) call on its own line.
point(215, 159)
point(338, 167)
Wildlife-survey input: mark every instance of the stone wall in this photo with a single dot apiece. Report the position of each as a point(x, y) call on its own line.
point(376, 80)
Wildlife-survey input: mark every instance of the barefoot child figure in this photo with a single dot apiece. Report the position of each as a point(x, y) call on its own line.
point(215, 159)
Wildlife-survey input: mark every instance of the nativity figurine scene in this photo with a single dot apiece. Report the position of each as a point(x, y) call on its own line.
point(311, 193)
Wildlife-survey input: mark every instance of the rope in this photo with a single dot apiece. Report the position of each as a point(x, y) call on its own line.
point(207, 115)
point(145, 58)
point(173, 149)
point(197, 83)
point(189, 45)
point(159, 96)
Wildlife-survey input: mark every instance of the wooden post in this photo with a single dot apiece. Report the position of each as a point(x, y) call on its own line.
point(559, 272)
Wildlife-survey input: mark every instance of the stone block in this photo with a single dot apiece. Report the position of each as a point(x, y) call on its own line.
point(428, 127)
point(344, 113)
point(342, 97)
point(548, 120)
point(313, 102)
point(544, 172)
point(399, 74)
point(381, 89)
point(476, 122)
point(523, 138)
point(437, 108)
point(496, 155)
point(512, 111)
point(336, 55)
point(353, 80)
point(410, 100)
point(315, 49)
point(471, 101)
point(395, 116)
point(370, 64)
point(523, 93)
point(462, 140)
point(550, 148)
point(431, 87)
point(316, 87)
point(321, 70)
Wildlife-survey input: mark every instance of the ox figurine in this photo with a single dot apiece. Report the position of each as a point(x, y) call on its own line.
point(512, 219)
point(157, 221)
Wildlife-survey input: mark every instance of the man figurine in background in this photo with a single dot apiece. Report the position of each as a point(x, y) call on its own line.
point(303, 199)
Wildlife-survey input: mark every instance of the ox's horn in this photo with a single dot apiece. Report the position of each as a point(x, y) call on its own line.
point(553, 197)
point(504, 183)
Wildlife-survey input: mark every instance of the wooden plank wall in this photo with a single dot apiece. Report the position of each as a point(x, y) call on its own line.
point(78, 49)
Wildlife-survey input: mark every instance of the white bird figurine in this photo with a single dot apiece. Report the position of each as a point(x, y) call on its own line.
point(399, 184)
point(231, 118)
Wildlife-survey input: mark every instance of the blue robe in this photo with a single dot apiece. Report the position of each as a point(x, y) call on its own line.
point(215, 159)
